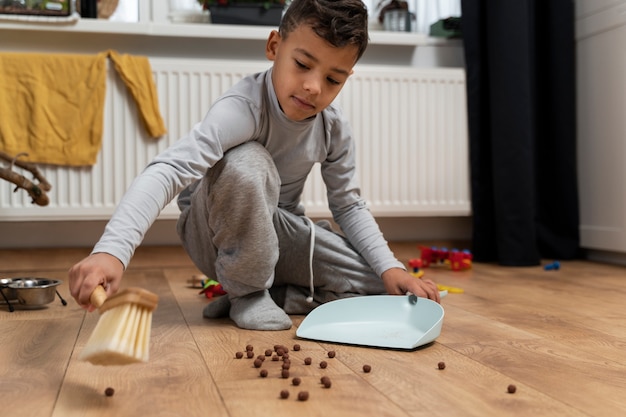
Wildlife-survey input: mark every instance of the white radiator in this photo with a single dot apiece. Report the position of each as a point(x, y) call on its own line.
point(410, 126)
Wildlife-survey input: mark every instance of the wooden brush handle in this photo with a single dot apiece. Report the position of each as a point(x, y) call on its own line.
point(98, 296)
point(133, 296)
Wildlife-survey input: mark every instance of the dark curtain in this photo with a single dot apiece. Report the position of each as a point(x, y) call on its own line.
point(520, 64)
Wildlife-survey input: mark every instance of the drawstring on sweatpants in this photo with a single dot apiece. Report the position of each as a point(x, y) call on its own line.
point(309, 299)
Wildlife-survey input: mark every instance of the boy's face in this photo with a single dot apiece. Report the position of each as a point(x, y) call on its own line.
point(308, 72)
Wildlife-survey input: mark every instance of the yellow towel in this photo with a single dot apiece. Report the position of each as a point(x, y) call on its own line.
point(52, 105)
point(137, 75)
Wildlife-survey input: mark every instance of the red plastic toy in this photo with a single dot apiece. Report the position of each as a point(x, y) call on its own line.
point(212, 288)
point(458, 260)
point(416, 264)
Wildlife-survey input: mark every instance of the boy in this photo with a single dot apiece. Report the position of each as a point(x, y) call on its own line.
point(240, 174)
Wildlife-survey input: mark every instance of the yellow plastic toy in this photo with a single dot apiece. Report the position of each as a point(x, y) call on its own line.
point(451, 290)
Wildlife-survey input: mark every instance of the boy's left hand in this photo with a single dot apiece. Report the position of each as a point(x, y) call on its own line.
point(399, 282)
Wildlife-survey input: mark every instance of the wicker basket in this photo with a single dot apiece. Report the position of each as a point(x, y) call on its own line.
point(106, 8)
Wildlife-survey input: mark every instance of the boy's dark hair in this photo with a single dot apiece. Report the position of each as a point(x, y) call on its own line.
point(339, 22)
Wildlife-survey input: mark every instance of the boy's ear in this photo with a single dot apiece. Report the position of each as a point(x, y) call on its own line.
point(272, 45)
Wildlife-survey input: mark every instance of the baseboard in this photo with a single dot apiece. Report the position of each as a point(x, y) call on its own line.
point(62, 234)
point(605, 257)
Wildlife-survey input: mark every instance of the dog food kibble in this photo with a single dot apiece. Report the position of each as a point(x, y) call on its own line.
point(263, 373)
point(275, 358)
point(303, 395)
point(285, 356)
point(249, 348)
point(511, 389)
point(268, 352)
point(324, 379)
point(367, 368)
point(250, 354)
point(109, 392)
point(307, 361)
point(296, 347)
point(258, 363)
point(296, 381)
point(281, 347)
point(323, 364)
point(286, 365)
point(285, 373)
point(261, 358)
point(284, 394)
point(280, 352)
point(331, 354)
point(441, 365)
point(239, 355)
point(327, 383)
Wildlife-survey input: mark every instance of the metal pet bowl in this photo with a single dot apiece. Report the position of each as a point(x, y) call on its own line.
point(32, 292)
point(9, 293)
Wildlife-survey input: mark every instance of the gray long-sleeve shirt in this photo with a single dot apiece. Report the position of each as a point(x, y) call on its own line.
point(250, 111)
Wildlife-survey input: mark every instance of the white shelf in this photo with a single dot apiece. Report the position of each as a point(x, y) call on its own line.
point(201, 30)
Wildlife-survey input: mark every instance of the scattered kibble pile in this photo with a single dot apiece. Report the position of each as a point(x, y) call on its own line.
point(280, 353)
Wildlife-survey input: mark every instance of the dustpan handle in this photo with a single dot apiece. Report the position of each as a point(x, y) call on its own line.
point(98, 296)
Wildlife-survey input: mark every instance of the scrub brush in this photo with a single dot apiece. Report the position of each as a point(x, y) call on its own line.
point(122, 334)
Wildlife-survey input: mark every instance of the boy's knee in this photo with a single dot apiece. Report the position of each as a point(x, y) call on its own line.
point(249, 163)
point(248, 153)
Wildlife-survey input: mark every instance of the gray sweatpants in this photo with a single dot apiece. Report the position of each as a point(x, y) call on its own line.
point(235, 233)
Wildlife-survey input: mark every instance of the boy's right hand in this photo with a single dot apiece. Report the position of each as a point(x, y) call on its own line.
point(96, 269)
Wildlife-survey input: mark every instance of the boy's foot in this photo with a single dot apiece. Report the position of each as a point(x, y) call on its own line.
point(218, 308)
point(257, 311)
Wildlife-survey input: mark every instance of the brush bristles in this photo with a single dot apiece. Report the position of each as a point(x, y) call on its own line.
point(120, 337)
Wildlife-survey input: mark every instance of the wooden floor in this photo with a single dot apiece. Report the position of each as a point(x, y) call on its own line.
point(558, 336)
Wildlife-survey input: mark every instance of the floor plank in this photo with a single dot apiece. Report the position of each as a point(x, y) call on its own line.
point(559, 336)
point(35, 354)
point(174, 381)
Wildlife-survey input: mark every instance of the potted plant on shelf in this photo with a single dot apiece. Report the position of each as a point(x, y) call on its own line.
point(245, 12)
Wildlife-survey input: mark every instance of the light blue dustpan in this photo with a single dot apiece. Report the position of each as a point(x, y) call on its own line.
point(386, 321)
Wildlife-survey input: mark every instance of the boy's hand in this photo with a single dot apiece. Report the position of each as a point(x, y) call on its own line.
point(96, 269)
point(398, 282)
